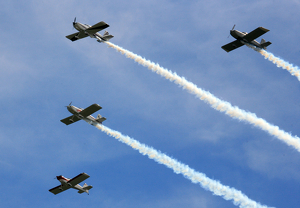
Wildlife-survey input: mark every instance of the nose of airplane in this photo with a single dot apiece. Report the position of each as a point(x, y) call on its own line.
point(69, 107)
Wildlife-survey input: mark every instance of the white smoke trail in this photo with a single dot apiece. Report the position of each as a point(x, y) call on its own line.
point(216, 187)
point(216, 103)
point(294, 70)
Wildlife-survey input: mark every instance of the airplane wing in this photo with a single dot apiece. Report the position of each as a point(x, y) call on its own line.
point(70, 120)
point(59, 189)
point(97, 27)
point(77, 36)
point(233, 45)
point(90, 110)
point(78, 179)
point(255, 34)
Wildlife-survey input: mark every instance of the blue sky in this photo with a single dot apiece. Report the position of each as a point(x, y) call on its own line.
point(42, 71)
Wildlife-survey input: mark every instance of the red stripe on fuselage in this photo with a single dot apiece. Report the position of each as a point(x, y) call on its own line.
point(62, 178)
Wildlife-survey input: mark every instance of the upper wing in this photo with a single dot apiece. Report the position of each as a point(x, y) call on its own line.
point(77, 36)
point(255, 34)
point(78, 179)
point(70, 120)
point(90, 110)
point(233, 45)
point(59, 189)
point(97, 27)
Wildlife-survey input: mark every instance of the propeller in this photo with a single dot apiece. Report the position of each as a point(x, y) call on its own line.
point(74, 22)
point(231, 30)
point(69, 104)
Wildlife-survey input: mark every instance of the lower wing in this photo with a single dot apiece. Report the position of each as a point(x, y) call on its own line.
point(59, 189)
point(70, 120)
point(233, 45)
point(77, 36)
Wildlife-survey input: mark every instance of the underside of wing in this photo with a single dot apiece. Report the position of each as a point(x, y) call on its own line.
point(77, 36)
point(90, 110)
point(78, 179)
point(255, 34)
point(233, 45)
point(70, 120)
point(59, 189)
point(97, 27)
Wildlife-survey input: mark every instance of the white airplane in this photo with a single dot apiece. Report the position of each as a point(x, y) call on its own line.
point(92, 31)
point(249, 38)
point(67, 183)
point(84, 114)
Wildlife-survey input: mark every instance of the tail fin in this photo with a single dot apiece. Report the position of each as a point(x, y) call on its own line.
point(262, 41)
point(100, 119)
point(107, 36)
point(86, 189)
point(264, 44)
point(84, 185)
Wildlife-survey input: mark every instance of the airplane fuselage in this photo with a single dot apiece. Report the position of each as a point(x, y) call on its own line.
point(239, 36)
point(82, 27)
point(76, 112)
point(64, 181)
point(79, 26)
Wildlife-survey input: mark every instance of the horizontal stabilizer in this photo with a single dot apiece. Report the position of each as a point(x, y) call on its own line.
point(107, 37)
point(266, 44)
point(100, 119)
point(85, 188)
point(88, 187)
